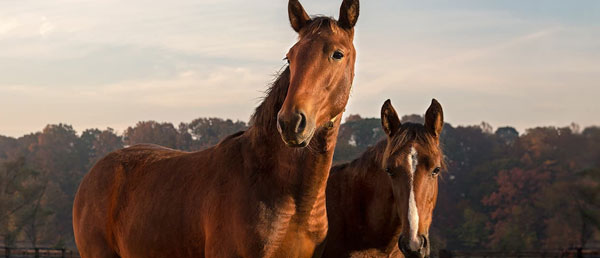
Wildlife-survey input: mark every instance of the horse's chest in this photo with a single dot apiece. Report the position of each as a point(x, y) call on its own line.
point(316, 222)
point(286, 229)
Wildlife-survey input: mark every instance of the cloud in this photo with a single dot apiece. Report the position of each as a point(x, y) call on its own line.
point(46, 27)
point(94, 65)
point(522, 72)
point(7, 25)
point(224, 91)
point(189, 89)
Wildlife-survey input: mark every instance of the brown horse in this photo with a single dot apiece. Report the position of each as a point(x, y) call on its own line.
point(386, 197)
point(251, 195)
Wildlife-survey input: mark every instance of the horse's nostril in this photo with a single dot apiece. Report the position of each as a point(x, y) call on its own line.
point(423, 241)
point(281, 125)
point(403, 245)
point(292, 125)
point(301, 125)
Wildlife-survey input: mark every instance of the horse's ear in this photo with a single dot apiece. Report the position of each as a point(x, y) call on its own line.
point(389, 119)
point(434, 118)
point(298, 17)
point(348, 14)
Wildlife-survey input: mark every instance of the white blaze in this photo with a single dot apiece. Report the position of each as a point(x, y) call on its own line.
point(413, 213)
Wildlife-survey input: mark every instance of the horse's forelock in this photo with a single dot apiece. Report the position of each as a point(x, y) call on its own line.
point(320, 23)
point(410, 132)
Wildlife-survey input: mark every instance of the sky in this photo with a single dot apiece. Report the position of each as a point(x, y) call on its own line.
point(111, 63)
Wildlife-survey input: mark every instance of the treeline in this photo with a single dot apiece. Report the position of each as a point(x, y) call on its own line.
point(502, 190)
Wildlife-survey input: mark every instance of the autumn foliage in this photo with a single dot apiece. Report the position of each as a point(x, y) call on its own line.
point(502, 190)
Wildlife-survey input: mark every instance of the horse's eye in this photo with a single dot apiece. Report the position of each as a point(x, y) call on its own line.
point(287, 60)
point(436, 171)
point(337, 55)
point(389, 171)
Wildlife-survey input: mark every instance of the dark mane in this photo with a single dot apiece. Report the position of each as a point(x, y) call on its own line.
point(265, 115)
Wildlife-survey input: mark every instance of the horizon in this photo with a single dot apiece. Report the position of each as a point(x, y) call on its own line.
point(90, 65)
point(576, 128)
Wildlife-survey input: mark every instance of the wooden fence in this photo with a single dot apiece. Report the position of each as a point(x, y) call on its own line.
point(570, 253)
point(37, 252)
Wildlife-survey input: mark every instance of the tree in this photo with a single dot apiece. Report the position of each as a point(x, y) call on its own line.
point(19, 189)
point(95, 144)
point(356, 136)
point(574, 208)
point(35, 218)
point(517, 221)
point(502, 190)
point(56, 155)
point(414, 118)
point(163, 134)
point(353, 117)
point(473, 233)
point(472, 161)
point(508, 135)
point(206, 132)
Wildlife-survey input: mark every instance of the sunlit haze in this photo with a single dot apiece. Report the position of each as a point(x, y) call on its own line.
point(98, 64)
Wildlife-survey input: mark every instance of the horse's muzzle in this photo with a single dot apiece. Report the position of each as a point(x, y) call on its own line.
point(295, 129)
point(422, 252)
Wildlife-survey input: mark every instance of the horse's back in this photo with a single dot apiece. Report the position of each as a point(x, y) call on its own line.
point(106, 196)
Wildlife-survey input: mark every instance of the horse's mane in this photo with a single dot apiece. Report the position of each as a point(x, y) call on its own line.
point(265, 115)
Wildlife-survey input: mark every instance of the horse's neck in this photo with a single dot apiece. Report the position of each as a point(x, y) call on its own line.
point(303, 170)
point(299, 172)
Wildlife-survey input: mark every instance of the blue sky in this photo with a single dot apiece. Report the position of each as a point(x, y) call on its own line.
point(112, 63)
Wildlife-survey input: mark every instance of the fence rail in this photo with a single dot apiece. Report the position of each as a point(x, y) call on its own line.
point(570, 253)
point(37, 252)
